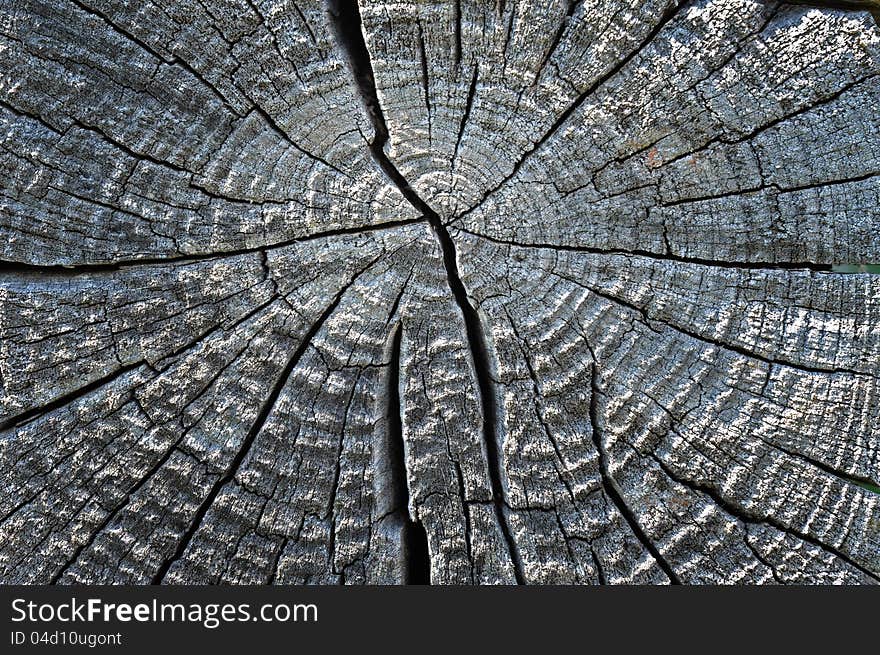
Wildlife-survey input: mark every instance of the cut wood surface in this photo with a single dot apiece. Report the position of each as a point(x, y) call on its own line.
point(450, 292)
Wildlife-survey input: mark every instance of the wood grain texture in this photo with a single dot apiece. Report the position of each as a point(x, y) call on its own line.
point(306, 292)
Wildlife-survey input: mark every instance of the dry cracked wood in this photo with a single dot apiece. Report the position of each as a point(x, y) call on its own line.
point(459, 292)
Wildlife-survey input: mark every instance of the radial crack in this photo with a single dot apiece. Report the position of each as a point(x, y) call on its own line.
point(670, 13)
point(75, 269)
point(746, 516)
point(201, 78)
point(610, 484)
point(415, 554)
point(731, 347)
point(557, 37)
point(69, 397)
point(265, 410)
point(637, 252)
point(346, 18)
point(423, 56)
point(472, 90)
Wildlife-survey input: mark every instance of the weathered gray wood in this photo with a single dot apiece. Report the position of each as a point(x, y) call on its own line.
point(475, 292)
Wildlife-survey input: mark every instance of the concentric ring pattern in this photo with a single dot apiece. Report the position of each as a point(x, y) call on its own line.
point(467, 292)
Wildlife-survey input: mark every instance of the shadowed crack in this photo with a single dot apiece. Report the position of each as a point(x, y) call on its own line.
point(423, 56)
point(872, 6)
point(345, 16)
point(414, 539)
point(557, 37)
point(472, 90)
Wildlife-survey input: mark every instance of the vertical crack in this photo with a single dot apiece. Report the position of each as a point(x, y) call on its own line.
point(345, 19)
point(557, 37)
point(457, 55)
point(416, 554)
point(414, 538)
point(472, 90)
point(600, 571)
point(424, 59)
point(345, 16)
